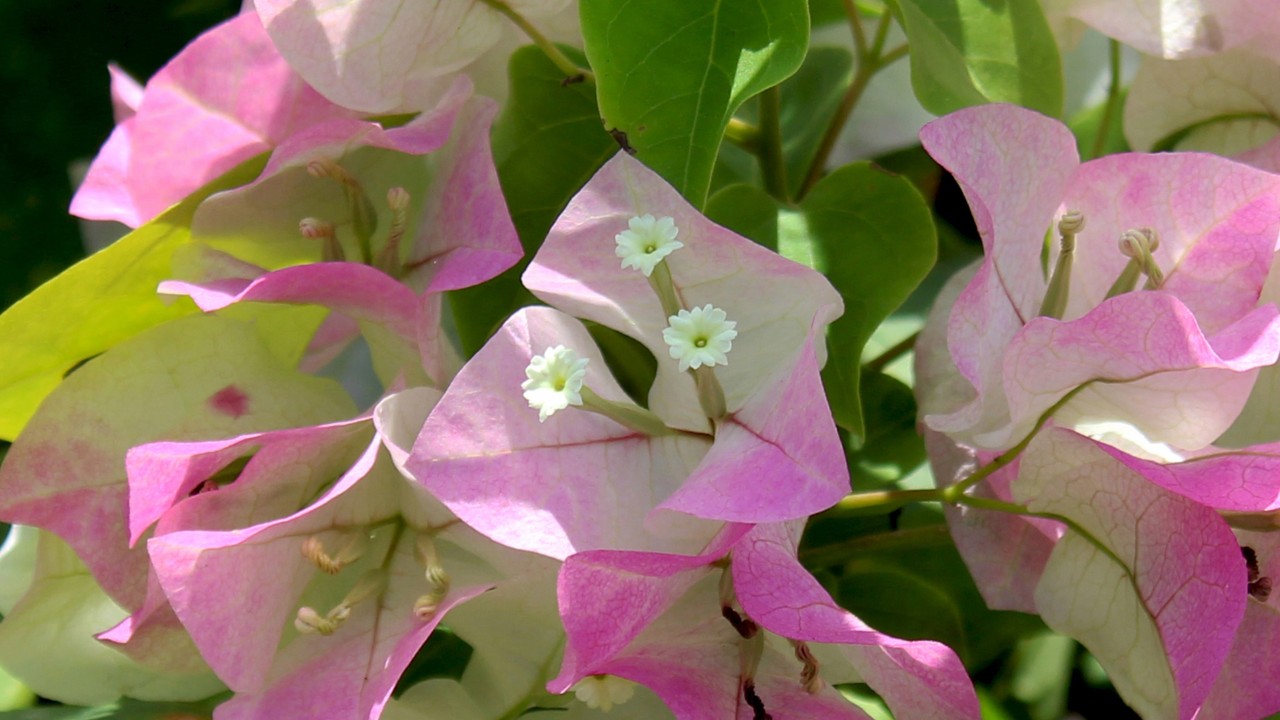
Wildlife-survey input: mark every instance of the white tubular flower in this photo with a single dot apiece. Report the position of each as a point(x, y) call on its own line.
point(602, 692)
point(701, 336)
point(555, 381)
point(646, 242)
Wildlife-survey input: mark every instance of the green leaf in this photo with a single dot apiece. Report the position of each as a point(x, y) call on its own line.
point(913, 584)
point(547, 143)
point(893, 448)
point(899, 600)
point(126, 709)
point(1041, 673)
point(670, 73)
point(970, 52)
point(747, 210)
point(872, 234)
point(103, 299)
point(14, 694)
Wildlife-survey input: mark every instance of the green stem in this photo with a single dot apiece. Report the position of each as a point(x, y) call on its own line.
point(888, 499)
point(567, 66)
point(953, 493)
point(743, 134)
point(879, 362)
point(870, 61)
point(769, 149)
point(625, 414)
point(855, 26)
point(984, 503)
point(1113, 102)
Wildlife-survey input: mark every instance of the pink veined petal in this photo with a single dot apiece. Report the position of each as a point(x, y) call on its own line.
point(1159, 601)
point(1013, 165)
point(1237, 692)
point(1171, 29)
point(630, 588)
point(163, 474)
point(192, 124)
point(1159, 370)
point(578, 272)
point(1244, 480)
point(578, 481)
point(918, 679)
point(777, 458)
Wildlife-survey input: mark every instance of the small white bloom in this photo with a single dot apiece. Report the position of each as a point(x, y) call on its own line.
point(602, 692)
point(555, 381)
point(646, 241)
point(701, 336)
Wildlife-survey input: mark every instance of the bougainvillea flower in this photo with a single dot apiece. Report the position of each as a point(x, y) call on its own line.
point(577, 271)
point(582, 481)
point(1151, 377)
point(383, 58)
point(1177, 362)
point(1156, 589)
point(456, 229)
point(1221, 103)
point(776, 643)
point(415, 563)
point(227, 383)
point(1167, 29)
point(193, 125)
point(1237, 691)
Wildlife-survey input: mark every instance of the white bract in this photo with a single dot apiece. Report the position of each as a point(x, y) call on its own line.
point(701, 336)
point(555, 380)
point(602, 692)
point(646, 241)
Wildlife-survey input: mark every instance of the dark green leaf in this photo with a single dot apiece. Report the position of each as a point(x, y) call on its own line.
point(444, 655)
point(748, 211)
point(872, 235)
point(970, 52)
point(126, 709)
point(913, 584)
point(630, 362)
point(547, 143)
point(893, 448)
point(670, 73)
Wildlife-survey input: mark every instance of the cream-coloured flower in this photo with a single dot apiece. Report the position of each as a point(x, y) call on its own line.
point(702, 336)
point(554, 380)
point(646, 241)
point(602, 692)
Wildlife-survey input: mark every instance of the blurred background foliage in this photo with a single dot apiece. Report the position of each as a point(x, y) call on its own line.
point(53, 75)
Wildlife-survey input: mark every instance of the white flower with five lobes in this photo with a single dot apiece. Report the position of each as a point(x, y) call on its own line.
point(646, 241)
point(698, 337)
point(554, 380)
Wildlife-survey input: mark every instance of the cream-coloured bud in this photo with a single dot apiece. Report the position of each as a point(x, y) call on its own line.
point(397, 198)
point(315, 228)
point(1071, 222)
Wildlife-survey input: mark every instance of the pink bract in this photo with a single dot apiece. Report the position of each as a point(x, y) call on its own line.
point(193, 125)
point(667, 629)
